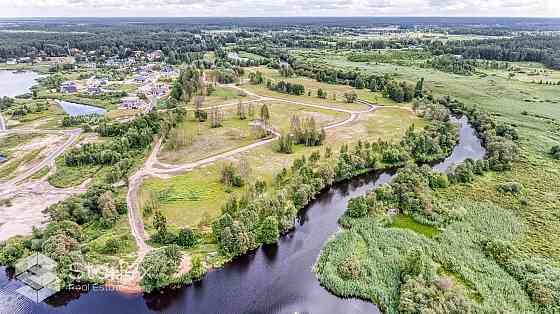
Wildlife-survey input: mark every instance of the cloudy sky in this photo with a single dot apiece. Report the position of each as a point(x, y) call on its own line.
point(26, 8)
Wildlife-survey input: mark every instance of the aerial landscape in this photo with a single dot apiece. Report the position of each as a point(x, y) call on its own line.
point(386, 163)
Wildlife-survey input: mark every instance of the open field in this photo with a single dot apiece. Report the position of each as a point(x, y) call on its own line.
point(196, 196)
point(311, 85)
point(202, 141)
point(530, 72)
point(223, 95)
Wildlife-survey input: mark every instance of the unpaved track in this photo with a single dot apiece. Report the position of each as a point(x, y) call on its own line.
point(49, 160)
point(2, 123)
point(166, 171)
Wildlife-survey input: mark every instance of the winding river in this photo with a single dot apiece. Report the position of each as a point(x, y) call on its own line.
point(273, 279)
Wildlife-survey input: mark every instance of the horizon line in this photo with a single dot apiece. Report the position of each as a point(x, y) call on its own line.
point(291, 16)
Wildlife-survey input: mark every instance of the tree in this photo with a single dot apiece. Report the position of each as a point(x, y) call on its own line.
point(241, 110)
point(187, 238)
point(108, 207)
point(160, 224)
point(350, 96)
point(265, 118)
point(251, 111)
point(216, 117)
point(419, 90)
point(198, 270)
point(269, 230)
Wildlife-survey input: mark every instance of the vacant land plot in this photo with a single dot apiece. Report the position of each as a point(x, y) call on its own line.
point(197, 196)
point(200, 140)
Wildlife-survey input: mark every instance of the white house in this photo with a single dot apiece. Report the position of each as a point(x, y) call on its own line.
point(131, 103)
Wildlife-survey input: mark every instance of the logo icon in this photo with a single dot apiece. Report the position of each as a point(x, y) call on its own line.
point(38, 273)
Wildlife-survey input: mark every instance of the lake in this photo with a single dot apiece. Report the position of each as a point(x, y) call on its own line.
point(74, 109)
point(16, 83)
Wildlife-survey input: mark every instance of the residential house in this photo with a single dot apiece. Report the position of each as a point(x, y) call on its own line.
point(94, 89)
point(68, 87)
point(131, 103)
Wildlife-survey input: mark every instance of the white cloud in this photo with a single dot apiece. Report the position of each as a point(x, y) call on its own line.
point(13, 8)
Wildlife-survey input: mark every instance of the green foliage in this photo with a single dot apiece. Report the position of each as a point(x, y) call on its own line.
point(306, 131)
point(510, 187)
point(198, 270)
point(269, 230)
point(555, 151)
point(158, 268)
point(452, 64)
point(230, 175)
point(357, 207)
point(350, 96)
point(187, 238)
point(11, 251)
point(285, 144)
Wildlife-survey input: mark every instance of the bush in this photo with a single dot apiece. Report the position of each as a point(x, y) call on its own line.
point(349, 268)
point(187, 238)
point(158, 268)
point(510, 187)
point(198, 270)
point(357, 207)
point(555, 152)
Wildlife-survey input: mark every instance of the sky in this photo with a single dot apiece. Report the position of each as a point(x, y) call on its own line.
point(235, 8)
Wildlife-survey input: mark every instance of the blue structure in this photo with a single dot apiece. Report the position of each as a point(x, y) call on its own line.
point(3, 159)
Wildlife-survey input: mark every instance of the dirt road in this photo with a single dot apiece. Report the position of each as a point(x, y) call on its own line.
point(2, 123)
point(166, 171)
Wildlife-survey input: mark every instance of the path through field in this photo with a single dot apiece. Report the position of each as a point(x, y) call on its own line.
point(154, 168)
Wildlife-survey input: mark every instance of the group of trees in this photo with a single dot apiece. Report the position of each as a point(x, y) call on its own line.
point(302, 131)
point(126, 141)
point(452, 64)
point(286, 87)
point(186, 237)
point(187, 84)
point(6, 102)
point(541, 48)
point(62, 238)
point(305, 131)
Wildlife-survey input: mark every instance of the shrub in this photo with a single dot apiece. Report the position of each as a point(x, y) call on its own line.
point(187, 238)
point(198, 270)
point(349, 268)
point(555, 152)
point(357, 207)
point(510, 187)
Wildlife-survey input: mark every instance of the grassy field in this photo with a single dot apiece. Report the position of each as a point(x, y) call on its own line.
point(282, 112)
point(187, 200)
point(311, 85)
point(223, 95)
point(530, 72)
point(203, 141)
point(198, 195)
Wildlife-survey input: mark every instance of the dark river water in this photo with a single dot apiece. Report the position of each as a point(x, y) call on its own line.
point(273, 279)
